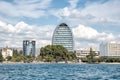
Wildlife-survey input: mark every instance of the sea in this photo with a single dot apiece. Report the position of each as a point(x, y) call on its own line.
point(59, 71)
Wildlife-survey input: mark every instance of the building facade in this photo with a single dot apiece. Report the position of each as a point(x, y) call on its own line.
point(110, 49)
point(7, 52)
point(29, 48)
point(63, 36)
point(83, 52)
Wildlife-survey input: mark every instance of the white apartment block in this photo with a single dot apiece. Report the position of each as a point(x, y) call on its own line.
point(110, 49)
point(7, 52)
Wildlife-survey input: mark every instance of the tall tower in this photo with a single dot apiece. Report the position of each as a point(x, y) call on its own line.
point(63, 36)
point(29, 48)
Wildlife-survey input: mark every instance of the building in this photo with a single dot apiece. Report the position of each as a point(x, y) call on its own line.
point(83, 52)
point(110, 49)
point(63, 36)
point(29, 48)
point(7, 52)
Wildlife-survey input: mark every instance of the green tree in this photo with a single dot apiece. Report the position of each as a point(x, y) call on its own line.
point(56, 53)
point(28, 59)
point(71, 56)
point(8, 58)
point(1, 57)
point(15, 53)
point(91, 56)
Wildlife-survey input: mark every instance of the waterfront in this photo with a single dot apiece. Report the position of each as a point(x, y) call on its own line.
point(59, 71)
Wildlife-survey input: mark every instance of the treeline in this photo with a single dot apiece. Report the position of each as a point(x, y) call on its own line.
point(49, 53)
point(56, 53)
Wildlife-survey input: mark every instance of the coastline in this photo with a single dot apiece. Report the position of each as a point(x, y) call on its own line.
point(40, 62)
point(109, 63)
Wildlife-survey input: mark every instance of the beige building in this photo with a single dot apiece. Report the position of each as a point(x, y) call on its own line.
point(110, 49)
point(7, 52)
point(83, 52)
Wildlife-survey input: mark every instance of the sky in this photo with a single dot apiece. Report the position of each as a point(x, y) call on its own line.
point(91, 21)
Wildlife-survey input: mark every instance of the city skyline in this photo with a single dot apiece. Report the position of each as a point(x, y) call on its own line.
point(92, 21)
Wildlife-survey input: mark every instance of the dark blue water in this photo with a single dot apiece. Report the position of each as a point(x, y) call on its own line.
point(59, 72)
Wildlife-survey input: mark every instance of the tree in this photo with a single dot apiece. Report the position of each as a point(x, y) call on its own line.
point(56, 53)
point(21, 52)
point(8, 58)
point(15, 53)
point(1, 57)
point(71, 56)
point(91, 56)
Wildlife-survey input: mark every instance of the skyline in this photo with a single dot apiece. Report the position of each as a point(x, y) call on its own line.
point(92, 21)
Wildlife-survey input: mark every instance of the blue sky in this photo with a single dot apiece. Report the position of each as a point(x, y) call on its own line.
point(92, 21)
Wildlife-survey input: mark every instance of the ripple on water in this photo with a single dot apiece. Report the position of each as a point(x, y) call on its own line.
point(60, 72)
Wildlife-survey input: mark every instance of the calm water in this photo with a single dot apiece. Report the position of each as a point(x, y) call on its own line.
point(59, 72)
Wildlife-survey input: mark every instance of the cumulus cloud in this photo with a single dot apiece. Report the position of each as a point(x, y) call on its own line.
point(13, 35)
point(85, 32)
point(86, 36)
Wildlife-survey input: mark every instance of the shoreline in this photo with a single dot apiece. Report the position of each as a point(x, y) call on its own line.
point(40, 62)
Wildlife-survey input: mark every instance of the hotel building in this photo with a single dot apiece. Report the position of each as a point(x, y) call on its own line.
point(7, 52)
point(29, 48)
point(63, 36)
point(83, 52)
point(110, 49)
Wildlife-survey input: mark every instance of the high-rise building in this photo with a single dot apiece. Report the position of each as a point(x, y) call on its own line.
point(110, 49)
point(63, 36)
point(29, 48)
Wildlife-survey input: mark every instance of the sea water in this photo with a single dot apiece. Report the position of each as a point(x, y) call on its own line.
point(59, 72)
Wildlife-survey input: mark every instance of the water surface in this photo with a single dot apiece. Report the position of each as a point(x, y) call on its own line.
point(59, 72)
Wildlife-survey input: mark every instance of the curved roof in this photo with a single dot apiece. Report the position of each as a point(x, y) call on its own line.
point(63, 36)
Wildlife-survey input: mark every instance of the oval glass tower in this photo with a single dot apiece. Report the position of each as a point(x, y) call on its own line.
point(63, 36)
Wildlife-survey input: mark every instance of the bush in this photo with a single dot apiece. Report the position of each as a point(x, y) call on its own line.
point(8, 58)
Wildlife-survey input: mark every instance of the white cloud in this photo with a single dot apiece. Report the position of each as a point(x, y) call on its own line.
point(104, 12)
point(86, 36)
point(84, 32)
point(24, 8)
point(94, 13)
point(73, 3)
point(13, 36)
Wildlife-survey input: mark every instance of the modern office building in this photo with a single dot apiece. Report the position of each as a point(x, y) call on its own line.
point(110, 49)
point(29, 48)
point(7, 52)
point(63, 36)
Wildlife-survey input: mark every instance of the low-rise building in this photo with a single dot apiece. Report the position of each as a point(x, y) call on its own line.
point(7, 52)
point(83, 52)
